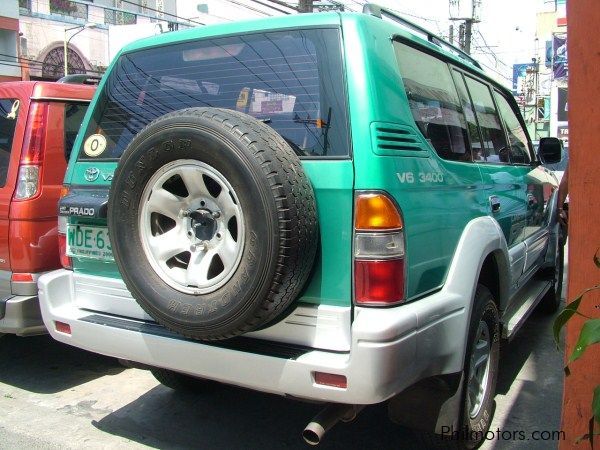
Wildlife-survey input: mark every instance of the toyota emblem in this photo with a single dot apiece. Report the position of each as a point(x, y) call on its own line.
point(92, 174)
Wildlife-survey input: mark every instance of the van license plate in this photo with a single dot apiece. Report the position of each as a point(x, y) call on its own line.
point(88, 242)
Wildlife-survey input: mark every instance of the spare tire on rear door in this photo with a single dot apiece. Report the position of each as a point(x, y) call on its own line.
point(212, 222)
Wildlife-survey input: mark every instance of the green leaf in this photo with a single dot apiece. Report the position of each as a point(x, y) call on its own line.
point(596, 404)
point(589, 334)
point(560, 321)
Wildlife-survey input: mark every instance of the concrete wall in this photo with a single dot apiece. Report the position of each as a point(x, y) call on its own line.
point(584, 227)
point(9, 8)
point(9, 26)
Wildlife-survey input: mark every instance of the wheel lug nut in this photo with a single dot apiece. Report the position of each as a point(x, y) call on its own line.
point(184, 213)
point(216, 214)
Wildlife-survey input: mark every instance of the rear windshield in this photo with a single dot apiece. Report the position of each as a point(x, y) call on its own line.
point(9, 110)
point(290, 80)
point(74, 113)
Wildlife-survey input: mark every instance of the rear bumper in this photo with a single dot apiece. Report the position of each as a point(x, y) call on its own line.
point(385, 357)
point(21, 316)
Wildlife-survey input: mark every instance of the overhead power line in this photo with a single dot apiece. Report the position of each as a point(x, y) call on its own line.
point(277, 2)
point(160, 12)
point(250, 8)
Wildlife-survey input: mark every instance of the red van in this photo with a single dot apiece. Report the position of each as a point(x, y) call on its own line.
point(38, 125)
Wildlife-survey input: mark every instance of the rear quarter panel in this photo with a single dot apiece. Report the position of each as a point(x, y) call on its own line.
point(443, 196)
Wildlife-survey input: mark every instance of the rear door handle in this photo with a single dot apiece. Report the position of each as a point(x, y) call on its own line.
point(494, 203)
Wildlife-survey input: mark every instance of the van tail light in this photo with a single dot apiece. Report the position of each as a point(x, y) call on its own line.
point(379, 256)
point(65, 260)
point(21, 278)
point(32, 156)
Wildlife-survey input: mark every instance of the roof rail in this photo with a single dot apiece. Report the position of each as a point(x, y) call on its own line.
point(379, 11)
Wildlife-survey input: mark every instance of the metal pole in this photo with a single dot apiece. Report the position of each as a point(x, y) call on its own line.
point(65, 53)
point(468, 34)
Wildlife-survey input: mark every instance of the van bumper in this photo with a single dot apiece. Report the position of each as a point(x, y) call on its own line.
point(20, 315)
point(386, 354)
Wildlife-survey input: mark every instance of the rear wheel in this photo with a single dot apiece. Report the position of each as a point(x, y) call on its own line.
point(480, 374)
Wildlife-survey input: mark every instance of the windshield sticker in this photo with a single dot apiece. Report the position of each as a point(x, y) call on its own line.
point(242, 100)
point(95, 145)
point(13, 110)
point(264, 102)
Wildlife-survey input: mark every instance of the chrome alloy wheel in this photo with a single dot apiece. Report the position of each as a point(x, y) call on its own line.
point(479, 374)
point(191, 226)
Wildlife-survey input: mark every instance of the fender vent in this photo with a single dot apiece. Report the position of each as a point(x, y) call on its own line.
point(395, 140)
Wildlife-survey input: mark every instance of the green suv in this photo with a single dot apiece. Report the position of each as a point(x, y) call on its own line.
point(335, 207)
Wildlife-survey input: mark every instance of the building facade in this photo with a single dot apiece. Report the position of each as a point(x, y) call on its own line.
point(10, 69)
point(33, 33)
point(540, 85)
point(45, 26)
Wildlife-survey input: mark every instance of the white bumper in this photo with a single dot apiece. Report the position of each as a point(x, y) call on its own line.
point(390, 349)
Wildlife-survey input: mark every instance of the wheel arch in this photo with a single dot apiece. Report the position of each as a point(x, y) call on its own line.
point(481, 256)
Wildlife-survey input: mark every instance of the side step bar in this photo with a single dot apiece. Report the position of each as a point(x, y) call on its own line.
point(529, 297)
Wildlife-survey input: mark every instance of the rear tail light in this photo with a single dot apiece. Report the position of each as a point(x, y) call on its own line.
point(65, 260)
point(30, 167)
point(379, 269)
point(21, 278)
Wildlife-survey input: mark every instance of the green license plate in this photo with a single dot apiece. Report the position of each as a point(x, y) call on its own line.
point(88, 242)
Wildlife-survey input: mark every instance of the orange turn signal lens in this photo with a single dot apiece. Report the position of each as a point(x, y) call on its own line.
point(64, 191)
point(376, 212)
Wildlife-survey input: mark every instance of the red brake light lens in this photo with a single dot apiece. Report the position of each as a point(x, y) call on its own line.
point(22, 277)
point(35, 134)
point(379, 282)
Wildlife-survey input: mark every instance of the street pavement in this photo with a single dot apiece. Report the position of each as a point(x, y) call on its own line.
point(56, 396)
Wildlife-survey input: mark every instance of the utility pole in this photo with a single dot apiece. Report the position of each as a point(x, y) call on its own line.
point(305, 6)
point(465, 33)
point(468, 35)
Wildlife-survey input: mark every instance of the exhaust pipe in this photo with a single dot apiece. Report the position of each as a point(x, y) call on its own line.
point(327, 418)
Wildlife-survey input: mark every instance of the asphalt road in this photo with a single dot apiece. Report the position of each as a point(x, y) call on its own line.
point(56, 396)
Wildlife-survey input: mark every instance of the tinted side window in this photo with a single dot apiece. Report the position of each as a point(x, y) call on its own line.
point(494, 139)
point(473, 129)
point(519, 148)
point(9, 111)
point(290, 80)
point(434, 102)
point(74, 113)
